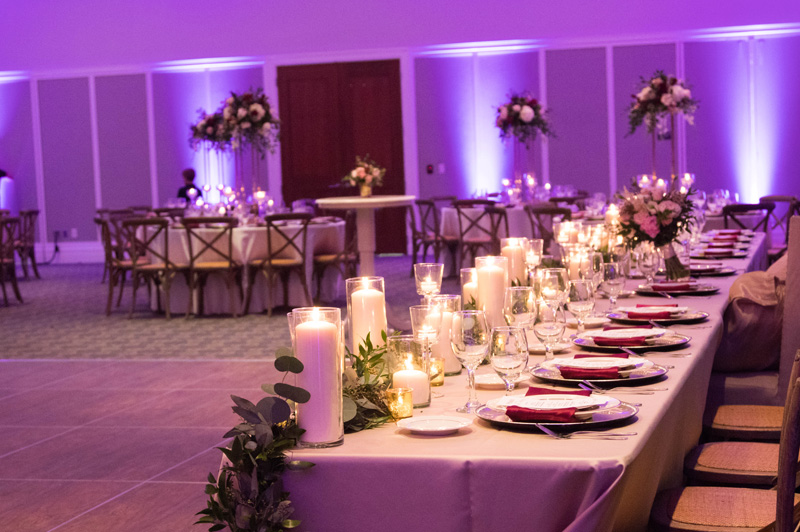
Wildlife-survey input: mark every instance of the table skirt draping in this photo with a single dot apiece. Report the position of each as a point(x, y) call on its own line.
point(488, 479)
point(250, 243)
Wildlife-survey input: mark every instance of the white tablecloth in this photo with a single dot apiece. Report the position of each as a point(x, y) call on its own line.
point(250, 243)
point(484, 478)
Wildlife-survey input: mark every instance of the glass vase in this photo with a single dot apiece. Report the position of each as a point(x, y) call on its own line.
point(366, 310)
point(366, 191)
point(408, 365)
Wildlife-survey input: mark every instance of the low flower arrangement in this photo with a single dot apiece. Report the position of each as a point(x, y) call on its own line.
point(651, 216)
point(661, 96)
point(366, 173)
point(521, 118)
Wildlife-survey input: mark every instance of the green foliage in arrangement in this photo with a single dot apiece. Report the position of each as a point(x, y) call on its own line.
point(364, 387)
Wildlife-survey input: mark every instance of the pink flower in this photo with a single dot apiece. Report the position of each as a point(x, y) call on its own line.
point(640, 217)
point(368, 179)
point(650, 226)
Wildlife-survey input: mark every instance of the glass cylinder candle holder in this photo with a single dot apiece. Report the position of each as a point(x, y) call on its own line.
point(428, 278)
point(492, 282)
point(513, 249)
point(400, 403)
point(443, 349)
point(533, 255)
point(408, 365)
point(469, 288)
point(318, 345)
point(426, 322)
point(366, 310)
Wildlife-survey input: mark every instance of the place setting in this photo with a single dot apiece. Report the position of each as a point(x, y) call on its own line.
point(666, 314)
point(636, 339)
point(670, 289)
point(710, 269)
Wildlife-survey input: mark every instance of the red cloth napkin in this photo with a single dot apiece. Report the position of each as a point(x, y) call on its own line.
point(665, 315)
point(535, 390)
point(589, 373)
point(718, 253)
point(672, 287)
point(634, 341)
point(618, 327)
point(639, 305)
point(561, 415)
point(618, 355)
point(729, 232)
point(725, 238)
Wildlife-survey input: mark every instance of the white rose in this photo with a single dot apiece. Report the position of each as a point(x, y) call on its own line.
point(526, 113)
point(680, 93)
point(668, 100)
point(503, 112)
point(229, 101)
point(376, 173)
point(257, 112)
point(265, 128)
point(241, 113)
point(227, 112)
point(515, 108)
point(645, 94)
point(354, 174)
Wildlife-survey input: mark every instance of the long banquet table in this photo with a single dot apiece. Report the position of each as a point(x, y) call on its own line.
point(483, 478)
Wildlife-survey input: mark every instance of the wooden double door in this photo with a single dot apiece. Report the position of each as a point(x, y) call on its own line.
point(329, 114)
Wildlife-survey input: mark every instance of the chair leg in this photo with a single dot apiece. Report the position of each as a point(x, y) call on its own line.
point(111, 285)
point(23, 261)
point(190, 284)
point(134, 288)
point(121, 281)
point(304, 282)
point(251, 280)
point(34, 265)
point(268, 275)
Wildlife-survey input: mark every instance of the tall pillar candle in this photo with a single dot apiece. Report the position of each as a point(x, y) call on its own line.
point(318, 346)
point(513, 251)
point(469, 286)
point(492, 281)
point(366, 306)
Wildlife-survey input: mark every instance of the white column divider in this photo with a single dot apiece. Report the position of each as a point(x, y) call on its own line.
point(98, 192)
point(274, 169)
point(475, 84)
point(38, 161)
point(680, 66)
point(543, 99)
point(151, 139)
point(755, 166)
point(611, 109)
point(408, 107)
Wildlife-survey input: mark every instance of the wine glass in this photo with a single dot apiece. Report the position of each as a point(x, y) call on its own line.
point(648, 259)
point(519, 306)
point(428, 277)
point(508, 353)
point(554, 284)
point(613, 281)
point(549, 327)
point(580, 301)
point(469, 336)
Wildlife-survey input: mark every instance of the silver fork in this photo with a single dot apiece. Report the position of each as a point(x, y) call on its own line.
point(665, 294)
point(624, 388)
point(586, 385)
point(662, 353)
point(585, 434)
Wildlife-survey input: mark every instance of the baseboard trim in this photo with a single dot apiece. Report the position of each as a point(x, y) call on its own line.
point(71, 252)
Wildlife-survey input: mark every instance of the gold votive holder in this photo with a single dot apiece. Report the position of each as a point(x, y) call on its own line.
point(400, 402)
point(437, 371)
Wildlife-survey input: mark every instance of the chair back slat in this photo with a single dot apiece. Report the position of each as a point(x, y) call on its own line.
point(148, 241)
point(428, 218)
point(287, 240)
point(9, 229)
point(27, 226)
point(473, 219)
point(541, 218)
point(733, 213)
point(210, 239)
point(786, 514)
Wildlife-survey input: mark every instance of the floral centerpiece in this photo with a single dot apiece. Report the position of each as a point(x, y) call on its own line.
point(365, 175)
point(660, 98)
point(250, 120)
point(210, 128)
point(652, 216)
point(520, 118)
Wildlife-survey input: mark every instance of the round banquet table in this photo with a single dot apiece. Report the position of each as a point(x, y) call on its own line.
point(249, 243)
point(365, 221)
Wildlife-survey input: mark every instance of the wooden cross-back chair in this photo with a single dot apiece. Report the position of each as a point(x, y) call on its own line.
point(116, 268)
point(732, 215)
point(287, 236)
point(149, 254)
point(9, 228)
point(479, 225)
point(541, 218)
point(716, 509)
point(26, 241)
point(778, 225)
point(346, 260)
point(210, 241)
point(426, 232)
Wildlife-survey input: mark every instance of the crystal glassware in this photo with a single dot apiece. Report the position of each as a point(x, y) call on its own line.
point(553, 285)
point(428, 278)
point(549, 327)
point(613, 282)
point(648, 260)
point(519, 306)
point(580, 301)
point(408, 365)
point(469, 335)
point(508, 353)
point(426, 322)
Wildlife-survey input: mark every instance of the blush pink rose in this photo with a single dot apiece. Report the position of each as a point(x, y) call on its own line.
point(650, 226)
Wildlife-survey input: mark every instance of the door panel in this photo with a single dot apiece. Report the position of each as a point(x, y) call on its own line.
point(330, 113)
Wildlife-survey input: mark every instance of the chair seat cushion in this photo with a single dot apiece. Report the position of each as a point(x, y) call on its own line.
point(215, 265)
point(734, 462)
point(716, 508)
point(750, 419)
point(279, 262)
point(477, 240)
point(330, 258)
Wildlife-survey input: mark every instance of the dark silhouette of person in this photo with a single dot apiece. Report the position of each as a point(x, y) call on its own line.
point(188, 184)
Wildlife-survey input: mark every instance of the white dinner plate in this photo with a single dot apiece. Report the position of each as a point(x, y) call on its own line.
point(671, 310)
point(625, 333)
point(434, 425)
point(592, 322)
point(553, 402)
point(492, 381)
point(599, 362)
point(622, 295)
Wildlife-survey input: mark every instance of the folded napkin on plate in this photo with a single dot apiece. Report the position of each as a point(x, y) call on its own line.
point(664, 315)
point(535, 390)
point(726, 232)
point(725, 238)
point(589, 373)
point(618, 355)
point(639, 305)
point(605, 341)
point(718, 253)
point(671, 287)
point(562, 415)
point(719, 244)
point(618, 327)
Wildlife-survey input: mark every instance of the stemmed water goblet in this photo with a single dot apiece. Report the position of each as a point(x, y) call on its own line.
point(519, 306)
point(428, 278)
point(469, 336)
point(549, 327)
point(613, 282)
point(580, 301)
point(648, 260)
point(553, 285)
point(508, 353)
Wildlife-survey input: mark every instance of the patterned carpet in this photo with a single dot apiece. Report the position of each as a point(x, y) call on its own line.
point(63, 316)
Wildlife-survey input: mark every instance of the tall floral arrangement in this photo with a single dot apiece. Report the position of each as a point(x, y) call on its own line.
point(210, 128)
point(521, 117)
point(661, 96)
point(249, 119)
